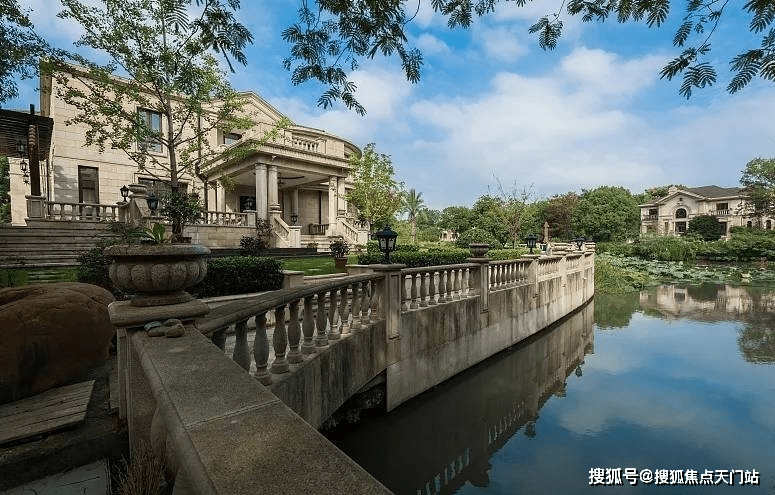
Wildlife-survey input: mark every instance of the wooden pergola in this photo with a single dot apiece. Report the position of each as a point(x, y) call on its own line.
point(26, 136)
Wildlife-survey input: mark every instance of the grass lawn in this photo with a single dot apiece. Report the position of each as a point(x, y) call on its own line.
point(315, 265)
point(14, 277)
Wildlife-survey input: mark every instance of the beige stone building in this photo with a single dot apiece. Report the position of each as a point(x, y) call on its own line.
point(671, 214)
point(297, 181)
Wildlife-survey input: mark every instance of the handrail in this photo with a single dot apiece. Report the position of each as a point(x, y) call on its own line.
point(453, 282)
point(88, 212)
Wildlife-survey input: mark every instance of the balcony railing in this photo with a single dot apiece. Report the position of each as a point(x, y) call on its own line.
point(720, 213)
point(649, 218)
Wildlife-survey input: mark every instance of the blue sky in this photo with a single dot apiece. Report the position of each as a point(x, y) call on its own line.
point(492, 106)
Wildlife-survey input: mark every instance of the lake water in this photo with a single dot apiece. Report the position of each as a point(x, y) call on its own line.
point(658, 387)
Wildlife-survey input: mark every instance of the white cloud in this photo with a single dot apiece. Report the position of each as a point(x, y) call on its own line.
point(431, 45)
point(502, 43)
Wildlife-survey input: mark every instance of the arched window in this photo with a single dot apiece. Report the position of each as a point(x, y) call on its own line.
point(680, 213)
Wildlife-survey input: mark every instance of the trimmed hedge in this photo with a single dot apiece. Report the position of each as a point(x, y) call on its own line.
point(477, 236)
point(411, 259)
point(372, 247)
point(239, 275)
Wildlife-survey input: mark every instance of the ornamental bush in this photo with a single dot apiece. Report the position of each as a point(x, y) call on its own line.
point(707, 227)
point(477, 236)
point(239, 275)
point(432, 257)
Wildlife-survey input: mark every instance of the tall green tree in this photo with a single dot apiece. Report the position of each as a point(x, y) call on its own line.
point(607, 213)
point(376, 193)
point(170, 51)
point(413, 205)
point(558, 211)
point(456, 219)
point(758, 179)
point(332, 37)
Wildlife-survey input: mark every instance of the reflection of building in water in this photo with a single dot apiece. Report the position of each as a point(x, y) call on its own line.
point(436, 442)
point(710, 302)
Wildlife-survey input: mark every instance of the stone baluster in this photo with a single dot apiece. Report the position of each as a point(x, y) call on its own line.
point(308, 327)
point(414, 304)
point(456, 274)
point(450, 287)
point(365, 298)
point(294, 333)
point(333, 328)
point(321, 338)
point(374, 300)
point(403, 292)
point(219, 338)
point(423, 290)
point(344, 316)
point(432, 288)
point(443, 274)
point(356, 306)
point(280, 341)
point(465, 274)
point(261, 350)
point(241, 354)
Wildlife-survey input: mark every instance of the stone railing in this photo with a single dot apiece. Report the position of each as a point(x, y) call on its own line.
point(305, 319)
point(81, 212)
point(720, 212)
point(548, 266)
point(230, 218)
point(509, 273)
point(349, 232)
point(318, 228)
point(431, 285)
point(649, 218)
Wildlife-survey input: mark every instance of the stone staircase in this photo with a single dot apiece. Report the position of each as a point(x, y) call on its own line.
point(48, 246)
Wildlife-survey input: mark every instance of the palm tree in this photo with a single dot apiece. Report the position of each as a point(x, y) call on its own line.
point(413, 203)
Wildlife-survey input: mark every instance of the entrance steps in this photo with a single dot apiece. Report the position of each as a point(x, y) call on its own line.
point(47, 246)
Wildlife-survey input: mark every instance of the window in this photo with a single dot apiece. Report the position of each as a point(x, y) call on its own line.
point(722, 206)
point(680, 213)
point(231, 138)
point(680, 227)
point(88, 185)
point(769, 225)
point(653, 212)
point(152, 122)
point(722, 228)
point(159, 187)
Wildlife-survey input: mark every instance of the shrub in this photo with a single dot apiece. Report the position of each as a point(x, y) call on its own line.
point(253, 245)
point(432, 257)
point(477, 236)
point(506, 254)
point(339, 248)
point(239, 275)
point(707, 227)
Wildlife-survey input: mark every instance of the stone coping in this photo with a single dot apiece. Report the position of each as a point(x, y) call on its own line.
point(230, 434)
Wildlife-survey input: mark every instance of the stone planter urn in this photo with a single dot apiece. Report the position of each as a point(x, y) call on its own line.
point(478, 250)
point(341, 264)
point(157, 273)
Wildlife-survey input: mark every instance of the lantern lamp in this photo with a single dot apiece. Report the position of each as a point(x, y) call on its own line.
point(387, 241)
point(579, 240)
point(294, 218)
point(153, 202)
point(531, 241)
point(124, 192)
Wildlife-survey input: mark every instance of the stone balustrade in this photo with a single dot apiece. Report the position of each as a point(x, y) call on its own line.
point(431, 285)
point(81, 212)
point(508, 273)
point(231, 218)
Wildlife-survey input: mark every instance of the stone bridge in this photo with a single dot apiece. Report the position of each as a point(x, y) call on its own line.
point(247, 422)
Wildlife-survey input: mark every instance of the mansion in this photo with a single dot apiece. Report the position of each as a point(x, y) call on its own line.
point(296, 181)
point(671, 214)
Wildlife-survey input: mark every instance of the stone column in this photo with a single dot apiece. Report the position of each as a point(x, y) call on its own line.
point(261, 204)
point(295, 202)
point(480, 281)
point(221, 197)
point(272, 196)
point(391, 298)
point(341, 203)
point(332, 205)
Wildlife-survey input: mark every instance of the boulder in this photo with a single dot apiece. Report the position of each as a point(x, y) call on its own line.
point(51, 335)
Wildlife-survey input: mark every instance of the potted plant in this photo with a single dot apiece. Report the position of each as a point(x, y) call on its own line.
point(339, 249)
point(180, 209)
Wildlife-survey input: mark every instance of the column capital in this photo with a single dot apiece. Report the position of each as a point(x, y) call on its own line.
point(259, 165)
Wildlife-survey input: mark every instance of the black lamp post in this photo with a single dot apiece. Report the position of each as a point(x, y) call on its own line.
point(153, 202)
point(579, 240)
point(531, 241)
point(387, 241)
point(124, 192)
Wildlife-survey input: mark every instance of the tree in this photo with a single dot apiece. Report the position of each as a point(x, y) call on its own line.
point(607, 213)
point(168, 49)
point(759, 181)
point(331, 37)
point(707, 227)
point(456, 219)
point(375, 192)
point(5, 188)
point(518, 210)
point(21, 48)
point(413, 204)
point(558, 211)
point(487, 214)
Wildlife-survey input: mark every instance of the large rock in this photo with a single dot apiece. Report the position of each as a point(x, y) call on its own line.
point(51, 335)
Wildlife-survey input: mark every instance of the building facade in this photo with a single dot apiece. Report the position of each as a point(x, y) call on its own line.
point(296, 181)
point(671, 214)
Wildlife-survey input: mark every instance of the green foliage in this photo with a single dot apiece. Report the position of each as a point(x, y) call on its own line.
point(93, 264)
point(5, 188)
point(22, 48)
point(759, 181)
point(375, 191)
point(664, 248)
point(431, 257)
point(239, 275)
point(331, 37)
point(125, 233)
point(706, 227)
point(180, 209)
point(413, 204)
point(558, 211)
point(339, 248)
point(157, 233)
point(614, 277)
point(253, 245)
point(456, 219)
point(477, 236)
point(607, 213)
point(506, 254)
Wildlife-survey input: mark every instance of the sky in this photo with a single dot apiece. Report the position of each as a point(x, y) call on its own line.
point(494, 113)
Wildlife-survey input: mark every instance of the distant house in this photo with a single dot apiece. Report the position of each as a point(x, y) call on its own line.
point(671, 214)
point(448, 235)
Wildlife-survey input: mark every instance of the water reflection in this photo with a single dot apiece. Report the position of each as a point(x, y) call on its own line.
point(435, 444)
